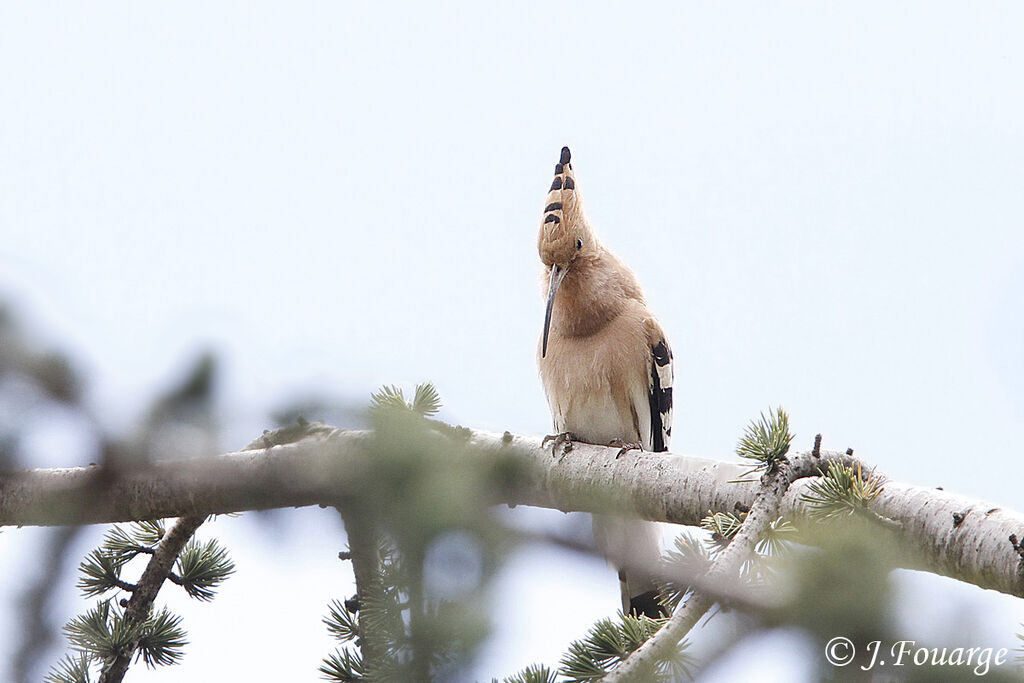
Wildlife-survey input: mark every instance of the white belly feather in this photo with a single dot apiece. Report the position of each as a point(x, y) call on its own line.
point(598, 386)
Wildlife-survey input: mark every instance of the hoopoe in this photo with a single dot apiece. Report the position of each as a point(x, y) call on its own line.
point(605, 365)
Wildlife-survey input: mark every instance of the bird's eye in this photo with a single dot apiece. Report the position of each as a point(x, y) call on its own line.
point(579, 243)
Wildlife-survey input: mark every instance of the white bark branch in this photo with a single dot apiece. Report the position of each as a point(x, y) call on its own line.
point(331, 467)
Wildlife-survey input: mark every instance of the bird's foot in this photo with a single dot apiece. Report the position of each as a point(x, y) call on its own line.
point(625, 447)
point(564, 439)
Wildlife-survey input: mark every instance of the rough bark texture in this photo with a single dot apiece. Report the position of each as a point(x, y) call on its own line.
point(662, 487)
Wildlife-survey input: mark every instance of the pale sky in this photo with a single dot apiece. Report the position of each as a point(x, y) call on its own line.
point(821, 200)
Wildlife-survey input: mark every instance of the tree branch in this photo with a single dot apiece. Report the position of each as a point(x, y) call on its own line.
point(725, 568)
point(333, 466)
point(145, 591)
point(364, 555)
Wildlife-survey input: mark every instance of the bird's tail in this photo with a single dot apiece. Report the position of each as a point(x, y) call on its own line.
point(639, 545)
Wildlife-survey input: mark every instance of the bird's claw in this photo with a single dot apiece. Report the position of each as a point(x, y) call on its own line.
point(625, 447)
point(563, 439)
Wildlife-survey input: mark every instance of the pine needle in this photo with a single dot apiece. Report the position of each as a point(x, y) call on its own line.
point(766, 440)
point(842, 491)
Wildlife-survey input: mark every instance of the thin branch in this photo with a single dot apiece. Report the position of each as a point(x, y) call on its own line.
point(146, 589)
point(725, 568)
point(124, 585)
point(34, 603)
point(744, 598)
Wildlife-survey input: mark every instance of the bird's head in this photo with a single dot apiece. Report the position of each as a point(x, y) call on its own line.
point(565, 236)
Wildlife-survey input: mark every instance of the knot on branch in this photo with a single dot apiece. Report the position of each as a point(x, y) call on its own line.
point(958, 518)
point(1018, 547)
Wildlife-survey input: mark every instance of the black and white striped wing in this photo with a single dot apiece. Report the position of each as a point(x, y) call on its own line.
point(661, 395)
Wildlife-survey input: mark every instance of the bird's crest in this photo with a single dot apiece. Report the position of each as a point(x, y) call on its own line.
point(563, 231)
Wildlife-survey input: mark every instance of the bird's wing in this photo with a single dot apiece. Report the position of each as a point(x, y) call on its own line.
point(660, 389)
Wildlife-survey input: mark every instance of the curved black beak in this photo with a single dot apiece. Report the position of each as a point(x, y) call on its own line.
point(557, 275)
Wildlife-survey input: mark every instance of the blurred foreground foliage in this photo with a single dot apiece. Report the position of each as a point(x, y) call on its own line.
point(425, 545)
point(435, 546)
point(37, 386)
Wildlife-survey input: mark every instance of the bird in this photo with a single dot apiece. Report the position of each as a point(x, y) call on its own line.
point(606, 367)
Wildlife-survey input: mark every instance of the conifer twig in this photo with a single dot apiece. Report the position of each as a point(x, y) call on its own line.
point(141, 602)
point(724, 567)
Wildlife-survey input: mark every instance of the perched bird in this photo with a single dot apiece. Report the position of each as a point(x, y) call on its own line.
point(605, 365)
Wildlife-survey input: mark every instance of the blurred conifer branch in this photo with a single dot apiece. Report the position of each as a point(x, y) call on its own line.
point(179, 422)
point(424, 511)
